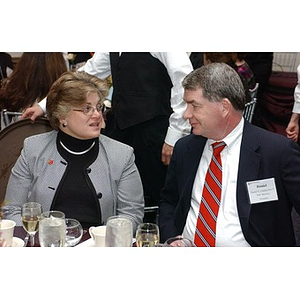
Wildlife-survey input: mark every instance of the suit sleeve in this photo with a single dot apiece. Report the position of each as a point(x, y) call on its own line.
point(290, 172)
point(18, 188)
point(130, 199)
point(169, 201)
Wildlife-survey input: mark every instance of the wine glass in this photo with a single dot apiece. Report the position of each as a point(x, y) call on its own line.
point(147, 235)
point(30, 215)
point(74, 232)
point(52, 231)
point(178, 241)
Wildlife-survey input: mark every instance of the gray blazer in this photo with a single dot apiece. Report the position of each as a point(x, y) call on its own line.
point(39, 169)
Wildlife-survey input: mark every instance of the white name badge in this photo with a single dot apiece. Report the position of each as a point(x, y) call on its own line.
point(263, 190)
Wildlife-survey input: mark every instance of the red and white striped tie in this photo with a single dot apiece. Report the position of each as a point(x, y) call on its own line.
point(205, 235)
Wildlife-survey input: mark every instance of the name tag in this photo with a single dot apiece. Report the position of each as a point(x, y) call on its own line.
point(260, 191)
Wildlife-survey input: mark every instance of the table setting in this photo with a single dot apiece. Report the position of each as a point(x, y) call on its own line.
point(53, 229)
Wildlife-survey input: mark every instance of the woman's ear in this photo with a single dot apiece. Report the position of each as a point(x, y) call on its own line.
point(63, 122)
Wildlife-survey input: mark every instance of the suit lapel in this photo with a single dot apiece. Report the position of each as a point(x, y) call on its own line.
point(190, 166)
point(248, 171)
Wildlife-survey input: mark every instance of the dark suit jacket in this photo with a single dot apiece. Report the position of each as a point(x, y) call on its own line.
point(263, 155)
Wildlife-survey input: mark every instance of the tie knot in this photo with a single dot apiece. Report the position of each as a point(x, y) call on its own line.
point(218, 147)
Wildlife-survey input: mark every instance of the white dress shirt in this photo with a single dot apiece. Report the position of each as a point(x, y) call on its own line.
point(296, 108)
point(228, 229)
point(178, 65)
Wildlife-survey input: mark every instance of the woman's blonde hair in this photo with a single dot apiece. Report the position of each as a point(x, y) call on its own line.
point(71, 91)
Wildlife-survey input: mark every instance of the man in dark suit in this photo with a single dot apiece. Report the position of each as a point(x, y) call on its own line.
point(260, 169)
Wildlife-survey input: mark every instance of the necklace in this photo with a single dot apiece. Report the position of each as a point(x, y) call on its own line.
point(77, 153)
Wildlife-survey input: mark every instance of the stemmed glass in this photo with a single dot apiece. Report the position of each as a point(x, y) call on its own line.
point(31, 212)
point(147, 235)
point(74, 232)
point(178, 241)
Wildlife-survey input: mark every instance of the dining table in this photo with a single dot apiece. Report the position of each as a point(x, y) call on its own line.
point(22, 234)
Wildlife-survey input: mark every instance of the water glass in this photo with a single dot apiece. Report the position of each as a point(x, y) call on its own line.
point(52, 229)
point(119, 232)
point(74, 232)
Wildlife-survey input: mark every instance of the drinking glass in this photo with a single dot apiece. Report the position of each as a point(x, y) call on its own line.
point(147, 235)
point(178, 241)
point(30, 215)
point(52, 231)
point(74, 232)
point(118, 232)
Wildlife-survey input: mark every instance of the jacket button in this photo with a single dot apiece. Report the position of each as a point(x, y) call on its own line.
point(99, 195)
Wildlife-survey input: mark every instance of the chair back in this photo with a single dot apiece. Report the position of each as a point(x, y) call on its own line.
point(11, 144)
point(8, 117)
point(250, 106)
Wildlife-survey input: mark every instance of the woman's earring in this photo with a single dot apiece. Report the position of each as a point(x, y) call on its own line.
point(64, 125)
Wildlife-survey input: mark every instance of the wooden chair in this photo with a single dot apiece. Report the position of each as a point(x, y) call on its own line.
point(250, 106)
point(11, 144)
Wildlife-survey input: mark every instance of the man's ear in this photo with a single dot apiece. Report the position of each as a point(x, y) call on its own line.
point(226, 105)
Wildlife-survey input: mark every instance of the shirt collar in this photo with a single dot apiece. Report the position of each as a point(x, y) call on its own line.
point(232, 137)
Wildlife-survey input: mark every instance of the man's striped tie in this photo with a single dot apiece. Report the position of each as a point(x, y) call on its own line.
point(205, 235)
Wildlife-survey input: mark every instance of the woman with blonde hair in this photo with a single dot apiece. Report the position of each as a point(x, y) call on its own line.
point(74, 168)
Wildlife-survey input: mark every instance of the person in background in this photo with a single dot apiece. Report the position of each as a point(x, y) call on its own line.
point(292, 129)
point(196, 59)
point(73, 168)
point(31, 80)
point(77, 59)
point(237, 63)
point(6, 65)
point(254, 178)
point(261, 66)
point(147, 108)
point(244, 69)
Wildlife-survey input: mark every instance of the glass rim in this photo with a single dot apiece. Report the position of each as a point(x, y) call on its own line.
point(148, 225)
point(47, 214)
point(31, 204)
point(118, 217)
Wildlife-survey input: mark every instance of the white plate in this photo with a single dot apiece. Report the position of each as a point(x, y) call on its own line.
point(17, 242)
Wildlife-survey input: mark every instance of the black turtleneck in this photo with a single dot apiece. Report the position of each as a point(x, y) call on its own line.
point(76, 195)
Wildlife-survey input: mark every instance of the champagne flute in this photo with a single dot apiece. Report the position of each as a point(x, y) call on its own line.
point(74, 232)
point(147, 235)
point(30, 215)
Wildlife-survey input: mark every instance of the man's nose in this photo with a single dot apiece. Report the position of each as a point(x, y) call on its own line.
point(188, 112)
